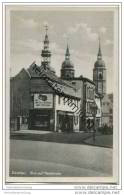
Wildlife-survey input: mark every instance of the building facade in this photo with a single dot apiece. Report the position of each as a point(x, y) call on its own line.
point(107, 110)
point(40, 100)
point(43, 101)
point(87, 89)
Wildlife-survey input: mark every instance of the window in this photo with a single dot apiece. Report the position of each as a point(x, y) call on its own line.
point(100, 76)
point(59, 100)
point(73, 82)
point(93, 93)
point(86, 92)
point(100, 87)
point(89, 95)
point(88, 108)
point(64, 100)
point(110, 111)
point(67, 75)
point(98, 111)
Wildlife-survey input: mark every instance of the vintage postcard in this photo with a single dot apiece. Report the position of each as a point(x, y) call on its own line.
point(62, 93)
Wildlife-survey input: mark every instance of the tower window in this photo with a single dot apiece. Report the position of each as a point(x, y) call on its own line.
point(100, 76)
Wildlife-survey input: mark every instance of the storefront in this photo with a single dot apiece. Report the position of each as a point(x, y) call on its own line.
point(64, 121)
point(41, 117)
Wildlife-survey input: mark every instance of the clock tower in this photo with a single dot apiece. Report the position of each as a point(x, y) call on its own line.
point(99, 74)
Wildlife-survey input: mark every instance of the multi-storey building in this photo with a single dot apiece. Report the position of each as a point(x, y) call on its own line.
point(107, 110)
point(42, 100)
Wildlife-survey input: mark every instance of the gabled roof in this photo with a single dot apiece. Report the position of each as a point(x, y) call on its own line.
point(34, 74)
point(66, 87)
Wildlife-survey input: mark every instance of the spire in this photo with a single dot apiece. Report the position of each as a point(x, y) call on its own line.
point(46, 28)
point(46, 41)
point(99, 56)
point(67, 70)
point(67, 54)
point(46, 54)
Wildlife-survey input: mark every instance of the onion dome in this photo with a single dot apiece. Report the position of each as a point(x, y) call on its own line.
point(67, 70)
point(67, 63)
point(99, 63)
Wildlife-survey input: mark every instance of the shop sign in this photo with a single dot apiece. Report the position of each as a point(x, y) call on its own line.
point(43, 100)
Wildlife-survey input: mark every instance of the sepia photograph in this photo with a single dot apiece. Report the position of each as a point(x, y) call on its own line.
point(62, 93)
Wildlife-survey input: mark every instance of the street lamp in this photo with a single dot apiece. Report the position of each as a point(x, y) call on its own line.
point(94, 112)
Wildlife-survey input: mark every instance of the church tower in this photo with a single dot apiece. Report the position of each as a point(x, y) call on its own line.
point(46, 54)
point(99, 74)
point(67, 70)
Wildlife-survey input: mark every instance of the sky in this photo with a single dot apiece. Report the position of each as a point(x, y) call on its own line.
point(79, 27)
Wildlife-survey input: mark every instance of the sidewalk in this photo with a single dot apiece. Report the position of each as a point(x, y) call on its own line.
point(100, 140)
point(64, 137)
point(51, 136)
point(27, 131)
